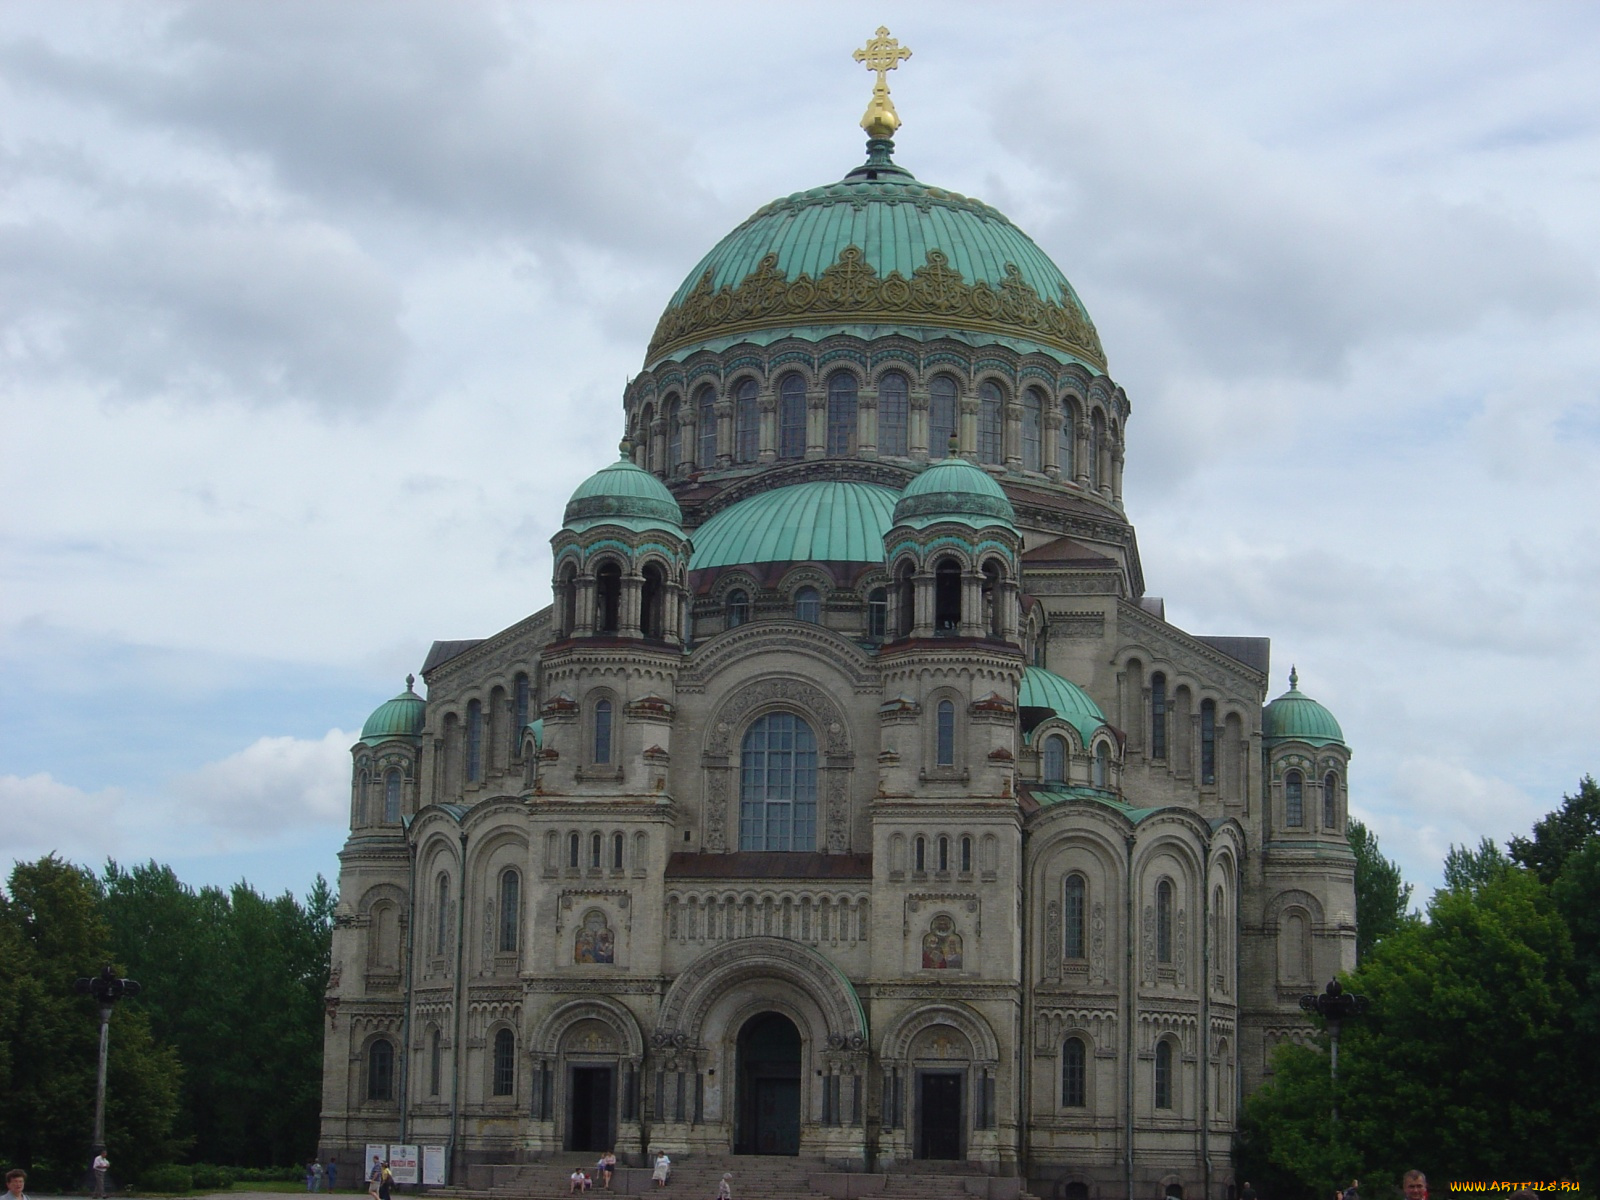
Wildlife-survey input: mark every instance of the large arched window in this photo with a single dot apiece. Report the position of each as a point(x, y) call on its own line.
point(945, 735)
point(1067, 447)
point(391, 796)
point(778, 785)
point(602, 732)
point(1158, 715)
point(646, 439)
point(568, 599)
point(1073, 1057)
point(792, 416)
point(941, 415)
point(1102, 765)
point(1208, 742)
point(1097, 440)
point(894, 407)
point(706, 416)
point(877, 614)
point(1032, 429)
point(947, 597)
point(505, 1062)
point(1330, 801)
point(738, 607)
point(1055, 759)
point(746, 421)
point(905, 600)
point(991, 422)
point(380, 1070)
point(1294, 805)
point(608, 597)
point(510, 910)
point(474, 741)
point(1164, 1074)
point(674, 435)
point(841, 414)
point(1164, 921)
point(441, 916)
point(808, 605)
point(652, 601)
point(1073, 909)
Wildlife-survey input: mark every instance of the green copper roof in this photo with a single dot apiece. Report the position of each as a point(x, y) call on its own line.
point(805, 522)
point(1296, 717)
point(401, 717)
point(623, 494)
point(1045, 689)
point(953, 489)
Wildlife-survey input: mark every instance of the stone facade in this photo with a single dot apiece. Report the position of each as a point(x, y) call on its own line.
point(940, 842)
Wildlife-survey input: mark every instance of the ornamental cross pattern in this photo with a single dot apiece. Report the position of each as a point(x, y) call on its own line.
point(882, 54)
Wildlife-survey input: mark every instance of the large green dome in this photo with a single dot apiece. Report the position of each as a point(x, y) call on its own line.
point(1046, 689)
point(953, 489)
point(1296, 717)
point(402, 717)
point(878, 249)
point(830, 521)
point(626, 495)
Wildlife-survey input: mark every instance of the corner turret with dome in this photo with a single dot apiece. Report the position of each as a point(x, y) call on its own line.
point(851, 800)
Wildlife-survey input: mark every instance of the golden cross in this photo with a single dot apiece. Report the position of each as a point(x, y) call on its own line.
point(882, 54)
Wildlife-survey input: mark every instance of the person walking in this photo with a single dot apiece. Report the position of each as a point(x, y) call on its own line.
point(385, 1182)
point(16, 1180)
point(725, 1188)
point(100, 1166)
point(663, 1170)
point(332, 1173)
point(605, 1168)
point(375, 1176)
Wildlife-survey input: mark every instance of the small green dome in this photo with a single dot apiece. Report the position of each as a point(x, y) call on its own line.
point(954, 489)
point(1296, 717)
point(829, 521)
point(626, 495)
point(1046, 689)
point(401, 717)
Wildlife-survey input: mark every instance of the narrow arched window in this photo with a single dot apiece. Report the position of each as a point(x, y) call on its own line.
point(1164, 921)
point(474, 741)
point(746, 421)
point(1330, 801)
point(808, 605)
point(941, 415)
point(778, 785)
point(1163, 1074)
point(596, 844)
point(947, 597)
point(1067, 448)
point(944, 854)
point(569, 600)
point(1158, 715)
point(574, 845)
point(905, 600)
point(738, 607)
point(792, 416)
point(841, 414)
point(1097, 439)
point(616, 851)
point(1102, 765)
point(894, 406)
point(602, 732)
point(363, 785)
point(380, 1070)
point(1073, 1059)
point(919, 854)
point(521, 697)
point(1073, 909)
point(966, 856)
point(505, 1062)
point(510, 911)
point(435, 1063)
point(945, 735)
point(441, 916)
point(877, 614)
point(645, 440)
point(991, 422)
point(993, 609)
point(1294, 807)
point(1208, 742)
point(652, 601)
point(608, 598)
point(391, 796)
point(1032, 429)
point(706, 417)
point(1055, 759)
point(674, 435)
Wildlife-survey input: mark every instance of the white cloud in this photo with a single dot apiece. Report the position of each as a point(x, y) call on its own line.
point(40, 815)
point(276, 783)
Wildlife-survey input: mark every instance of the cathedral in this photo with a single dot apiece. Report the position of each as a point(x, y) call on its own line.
point(853, 799)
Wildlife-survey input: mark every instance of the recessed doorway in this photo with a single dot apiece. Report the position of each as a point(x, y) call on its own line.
point(591, 1097)
point(769, 1086)
point(939, 1114)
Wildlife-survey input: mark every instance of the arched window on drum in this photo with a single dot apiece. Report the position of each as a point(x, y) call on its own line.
point(894, 408)
point(941, 415)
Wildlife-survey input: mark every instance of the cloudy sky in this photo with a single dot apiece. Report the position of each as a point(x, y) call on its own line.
point(311, 315)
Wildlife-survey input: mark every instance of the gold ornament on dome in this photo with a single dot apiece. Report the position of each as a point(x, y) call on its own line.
point(882, 54)
point(851, 292)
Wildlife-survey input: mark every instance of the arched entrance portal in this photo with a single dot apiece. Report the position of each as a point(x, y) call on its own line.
point(769, 1086)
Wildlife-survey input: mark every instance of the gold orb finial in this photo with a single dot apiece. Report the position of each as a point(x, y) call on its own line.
point(882, 54)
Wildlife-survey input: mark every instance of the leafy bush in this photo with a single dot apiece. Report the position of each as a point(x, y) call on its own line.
point(293, 1174)
point(211, 1179)
point(167, 1178)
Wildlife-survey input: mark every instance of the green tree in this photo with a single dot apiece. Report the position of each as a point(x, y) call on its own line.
point(1560, 834)
point(1383, 898)
point(1469, 870)
point(57, 933)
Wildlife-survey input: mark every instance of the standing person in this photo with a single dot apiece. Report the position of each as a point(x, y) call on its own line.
point(308, 1176)
point(332, 1173)
point(316, 1174)
point(16, 1180)
point(1247, 1192)
point(100, 1166)
point(385, 1182)
point(605, 1168)
point(1415, 1185)
point(663, 1170)
point(1353, 1192)
point(375, 1176)
point(725, 1188)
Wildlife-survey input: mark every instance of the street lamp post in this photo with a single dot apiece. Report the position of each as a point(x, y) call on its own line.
point(1334, 1005)
point(107, 988)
